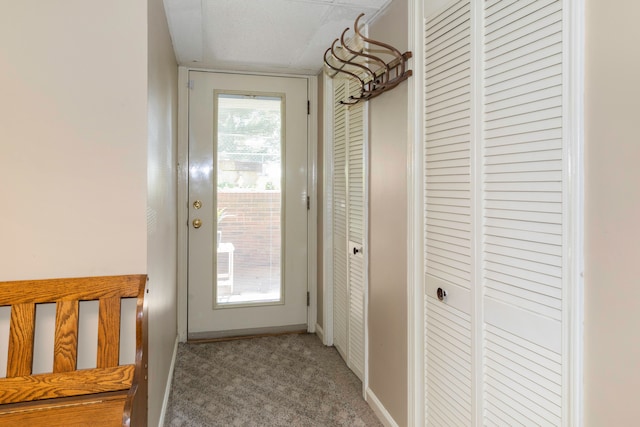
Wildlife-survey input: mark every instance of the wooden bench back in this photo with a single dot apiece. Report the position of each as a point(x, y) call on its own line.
point(20, 385)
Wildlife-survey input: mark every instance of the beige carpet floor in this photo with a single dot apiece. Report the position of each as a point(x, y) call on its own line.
point(287, 380)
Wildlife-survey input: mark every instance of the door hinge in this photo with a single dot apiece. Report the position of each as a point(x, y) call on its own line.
point(308, 107)
point(190, 84)
point(308, 203)
point(308, 299)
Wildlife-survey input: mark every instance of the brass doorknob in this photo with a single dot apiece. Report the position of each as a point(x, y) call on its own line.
point(197, 223)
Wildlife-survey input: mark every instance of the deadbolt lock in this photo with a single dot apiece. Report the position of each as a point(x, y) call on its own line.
point(197, 204)
point(197, 223)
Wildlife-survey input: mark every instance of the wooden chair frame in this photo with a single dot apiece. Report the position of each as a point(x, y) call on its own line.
point(68, 396)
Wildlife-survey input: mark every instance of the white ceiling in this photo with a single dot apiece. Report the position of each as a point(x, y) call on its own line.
point(277, 36)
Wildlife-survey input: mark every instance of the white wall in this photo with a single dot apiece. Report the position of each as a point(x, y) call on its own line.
point(73, 134)
point(612, 213)
point(161, 206)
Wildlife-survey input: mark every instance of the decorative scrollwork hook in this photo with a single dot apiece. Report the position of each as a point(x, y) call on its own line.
point(373, 82)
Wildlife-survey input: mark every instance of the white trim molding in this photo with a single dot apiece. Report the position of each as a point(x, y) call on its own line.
point(312, 193)
point(378, 408)
point(167, 390)
point(183, 197)
point(365, 240)
point(327, 223)
point(319, 332)
point(573, 290)
point(415, 232)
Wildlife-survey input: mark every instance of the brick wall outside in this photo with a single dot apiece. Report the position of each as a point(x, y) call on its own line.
point(253, 226)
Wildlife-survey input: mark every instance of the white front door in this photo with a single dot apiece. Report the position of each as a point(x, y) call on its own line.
point(247, 204)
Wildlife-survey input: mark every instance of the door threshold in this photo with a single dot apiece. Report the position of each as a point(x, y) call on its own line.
point(239, 334)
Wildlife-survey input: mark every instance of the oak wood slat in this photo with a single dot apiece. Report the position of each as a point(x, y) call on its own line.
point(108, 332)
point(81, 288)
point(65, 353)
point(21, 333)
point(103, 410)
point(75, 383)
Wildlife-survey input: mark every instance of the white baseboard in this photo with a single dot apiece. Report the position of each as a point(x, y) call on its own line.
point(320, 333)
point(383, 415)
point(167, 390)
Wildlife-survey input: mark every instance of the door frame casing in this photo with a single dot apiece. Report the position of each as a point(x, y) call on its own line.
point(183, 194)
point(327, 226)
point(415, 220)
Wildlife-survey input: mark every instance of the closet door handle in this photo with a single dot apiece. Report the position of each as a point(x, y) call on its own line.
point(442, 294)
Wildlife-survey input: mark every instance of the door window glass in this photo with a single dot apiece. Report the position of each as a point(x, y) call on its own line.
point(248, 154)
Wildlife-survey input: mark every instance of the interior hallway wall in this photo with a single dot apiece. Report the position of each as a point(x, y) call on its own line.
point(73, 138)
point(388, 136)
point(612, 213)
point(161, 204)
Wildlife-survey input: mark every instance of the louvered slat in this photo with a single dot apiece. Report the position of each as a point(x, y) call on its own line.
point(527, 376)
point(510, 169)
point(356, 315)
point(523, 212)
point(448, 213)
point(447, 170)
point(340, 266)
point(355, 224)
point(448, 373)
point(356, 167)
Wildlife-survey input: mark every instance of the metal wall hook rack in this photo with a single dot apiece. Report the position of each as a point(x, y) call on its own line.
point(354, 57)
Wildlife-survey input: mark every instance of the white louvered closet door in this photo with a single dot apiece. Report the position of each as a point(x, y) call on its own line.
point(349, 227)
point(340, 256)
point(356, 226)
point(448, 220)
point(495, 214)
point(523, 212)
